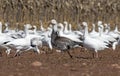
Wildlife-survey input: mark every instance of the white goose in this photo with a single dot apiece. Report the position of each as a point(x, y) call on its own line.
point(116, 35)
point(71, 36)
point(75, 31)
point(92, 43)
point(4, 38)
point(109, 39)
point(93, 33)
point(22, 43)
point(66, 27)
point(47, 38)
point(107, 28)
point(41, 26)
point(44, 36)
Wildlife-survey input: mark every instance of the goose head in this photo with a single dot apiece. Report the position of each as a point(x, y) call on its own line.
point(99, 23)
point(60, 27)
point(65, 23)
point(85, 24)
point(6, 24)
point(100, 27)
point(53, 22)
point(28, 26)
point(107, 28)
point(7, 28)
point(35, 28)
point(66, 26)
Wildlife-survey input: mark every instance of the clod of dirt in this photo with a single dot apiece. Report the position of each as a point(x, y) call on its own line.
point(66, 65)
point(116, 66)
point(36, 64)
point(84, 64)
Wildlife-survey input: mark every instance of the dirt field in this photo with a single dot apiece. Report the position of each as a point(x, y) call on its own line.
point(59, 64)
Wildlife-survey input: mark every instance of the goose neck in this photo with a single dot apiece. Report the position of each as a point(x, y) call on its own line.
point(66, 28)
point(86, 31)
point(0, 28)
point(26, 30)
point(100, 31)
point(93, 30)
point(35, 29)
point(7, 28)
point(70, 28)
point(61, 28)
point(116, 29)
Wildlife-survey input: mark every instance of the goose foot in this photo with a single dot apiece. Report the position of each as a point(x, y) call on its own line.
point(17, 54)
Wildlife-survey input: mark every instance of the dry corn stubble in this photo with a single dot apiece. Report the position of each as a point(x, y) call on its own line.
point(73, 11)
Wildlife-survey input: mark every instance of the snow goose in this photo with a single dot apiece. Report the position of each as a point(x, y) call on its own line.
point(106, 37)
point(93, 33)
point(47, 34)
point(116, 35)
point(75, 31)
point(92, 43)
point(22, 43)
point(71, 36)
point(4, 38)
point(44, 36)
point(66, 27)
point(41, 26)
point(8, 30)
point(47, 38)
point(107, 28)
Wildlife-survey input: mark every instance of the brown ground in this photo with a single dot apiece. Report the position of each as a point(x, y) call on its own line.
point(59, 64)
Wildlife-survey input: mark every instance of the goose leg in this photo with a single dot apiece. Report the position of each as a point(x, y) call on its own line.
point(36, 50)
point(0, 54)
point(97, 55)
point(8, 51)
point(17, 53)
point(69, 54)
point(93, 55)
point(50, 45)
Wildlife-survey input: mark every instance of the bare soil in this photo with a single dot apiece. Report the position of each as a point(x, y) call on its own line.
point(53, 63)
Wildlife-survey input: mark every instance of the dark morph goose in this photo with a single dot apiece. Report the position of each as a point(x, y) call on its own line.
point(62, 43)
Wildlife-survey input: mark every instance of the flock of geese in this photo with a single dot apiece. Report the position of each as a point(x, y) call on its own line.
point(59, 36)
